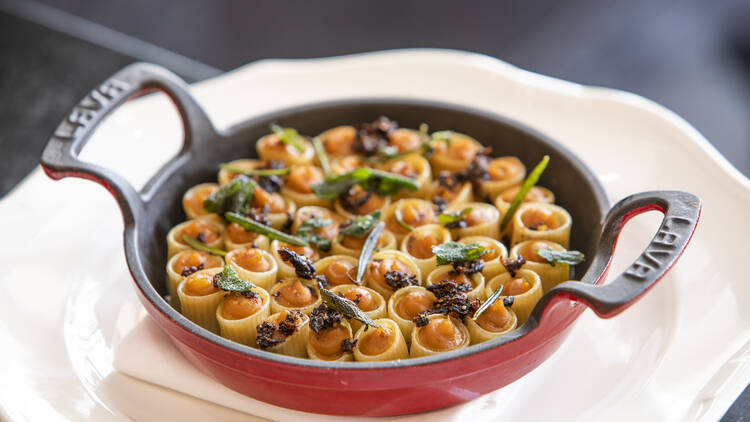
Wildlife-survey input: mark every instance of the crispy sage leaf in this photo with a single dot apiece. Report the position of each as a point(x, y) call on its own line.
point(270, 232)
point(229, 281)
point(372, 180)
point(487, 303)
point(360, 225)
point(454, 252)
point(346, 307)
point(368, 249)
point(306, 231)
point(320, 151)
point(234, 196)
point(288, 136)
point(530, 181)
point(453, 217)
point(200, 246)
point(563, 257)
point(255, 172)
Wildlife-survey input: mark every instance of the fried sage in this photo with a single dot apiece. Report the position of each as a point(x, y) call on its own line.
point(346, 307)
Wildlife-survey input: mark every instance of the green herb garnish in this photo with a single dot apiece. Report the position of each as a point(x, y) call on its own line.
point(453, 217)
point(200, 246)
point(322, 156)
point(368, 249)
point(360, 225)
point(380, 182)
point(306, 231)
point(391, 152)
point(228, 281)
point(450, 252)
point(530, 181)
point(235, 196)
point(270, 232)
point(288, 136)
point(255, 172)
point(490, 300)
point(563, 257)
point(443, 136)
point(346, 307)
point(400, 220)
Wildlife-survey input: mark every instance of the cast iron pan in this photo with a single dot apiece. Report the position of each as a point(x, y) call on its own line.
point(416, 384)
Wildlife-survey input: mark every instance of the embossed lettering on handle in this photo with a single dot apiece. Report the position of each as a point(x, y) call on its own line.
point(89, 107)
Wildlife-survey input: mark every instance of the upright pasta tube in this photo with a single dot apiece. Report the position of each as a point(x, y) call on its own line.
point(207, 231)
point(280, 209)
point(298, 186)
point(525, 288)
point(368, 301)
point(550, 275)
point(360, 202)
point(493, 260)
point(380, 344)
point(495, 321)
point(537, 221)
point(327, 343)
point(504, 173)
point(454, 152)
point(418, 245)
point(330, 229)
point(338, 270)
point(236, 237)
point(239, 315)
point(450, 195)
point(407, 303)
point(338, 141)
point(406, 214)
point(390, 270)
point(347, 163)
point(535, 194)
point(185, 263)
point(413, 166)
point(294, 294)
point(447, 273)
point(284, 333)
point(441, 334)
point(192, 202)
point(225, 175)
point(352, 246)
point(480, 220)
point(254, 265)
point(199, 298)
point(286, 270)
point(270, 147)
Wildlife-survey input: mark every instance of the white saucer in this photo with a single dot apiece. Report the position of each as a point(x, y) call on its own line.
point(681, 353)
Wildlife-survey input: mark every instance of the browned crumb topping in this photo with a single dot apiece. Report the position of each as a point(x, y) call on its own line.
point(324, 317)
point(397, 280)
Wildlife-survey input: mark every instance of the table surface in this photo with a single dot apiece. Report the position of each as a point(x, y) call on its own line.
point(693, 57)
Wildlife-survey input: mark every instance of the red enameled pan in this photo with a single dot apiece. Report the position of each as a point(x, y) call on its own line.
point(384, 388)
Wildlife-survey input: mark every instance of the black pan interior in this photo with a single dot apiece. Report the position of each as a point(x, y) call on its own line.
point(575, 187)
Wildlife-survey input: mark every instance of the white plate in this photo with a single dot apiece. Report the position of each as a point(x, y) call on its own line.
point(681, 353)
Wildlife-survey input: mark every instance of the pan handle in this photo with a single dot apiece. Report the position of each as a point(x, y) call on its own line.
point(681, 214)
point(60, 156)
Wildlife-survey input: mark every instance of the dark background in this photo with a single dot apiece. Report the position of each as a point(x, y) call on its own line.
point(692, 56)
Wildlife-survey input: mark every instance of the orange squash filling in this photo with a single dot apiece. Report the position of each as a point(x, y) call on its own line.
point(539, 219)
point(295, 295)
point(420, 245)
point(377, 341)
point(378, 268)
point(238, 306)
point(440, 334)
point(536, 194)
point(504, 168)
point(339, 140)
point(496, 318)
point(194, 201)
point(239, 235)
point(373, 203)
point(516, 287)
point(460, 148)
point(492, 251)
point(301, 250)
point(529, 251)
point(194, 259)
point(327, 342)
point(412, 304)
point(199, 284)
point(414, 215)
point(252, 260)
point(272, 200)
point(477, 216)
point(301, 178)
point(199, 229)
point(339, 272)
point(364, 299)
point(352, 242)
point(404, 140)
point(273, 142)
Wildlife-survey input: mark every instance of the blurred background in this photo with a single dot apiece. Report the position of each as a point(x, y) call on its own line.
point(691, 56)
